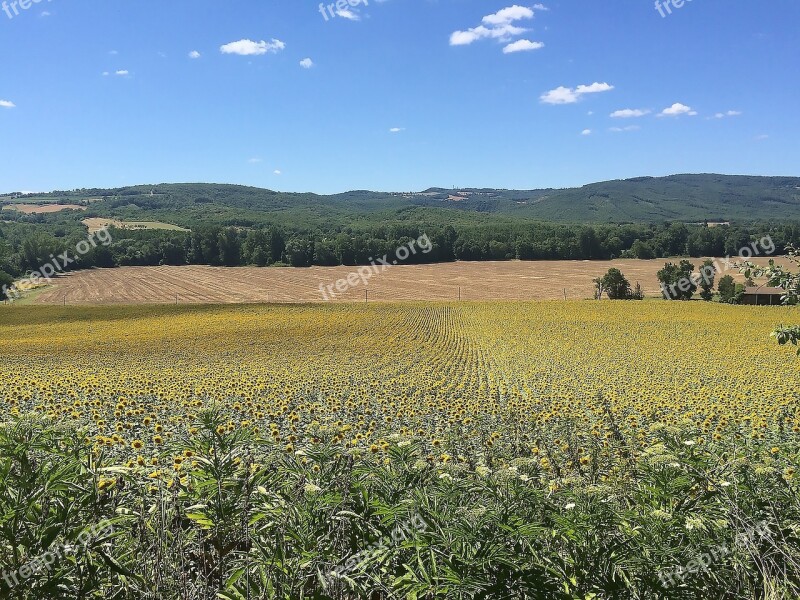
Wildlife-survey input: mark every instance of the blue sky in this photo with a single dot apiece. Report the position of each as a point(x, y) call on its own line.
point(399, 95)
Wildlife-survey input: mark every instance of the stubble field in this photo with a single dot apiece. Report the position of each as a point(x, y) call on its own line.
point(512, 280)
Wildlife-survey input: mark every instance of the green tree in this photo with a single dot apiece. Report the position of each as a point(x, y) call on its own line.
point(6, 281)
point(676, 281)
point(708, 273)
point(727, 289)
point(614, 284)
point(230, 248)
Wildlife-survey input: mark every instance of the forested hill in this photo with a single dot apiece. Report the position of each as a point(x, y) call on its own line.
point(687, 198)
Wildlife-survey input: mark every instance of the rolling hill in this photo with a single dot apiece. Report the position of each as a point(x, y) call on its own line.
point(689, 198)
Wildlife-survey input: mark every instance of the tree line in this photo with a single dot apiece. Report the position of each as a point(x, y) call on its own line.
point(26, 246)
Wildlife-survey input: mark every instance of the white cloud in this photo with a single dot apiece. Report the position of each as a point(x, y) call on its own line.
point(730, 113)
point(503, 33)
point(498, 26)
point(522, 45)
point(7, 104)
point(508, 15)
point(194, 54)
point(397, 129)
point(676, 110)
point(623, 129)
point(346, 13)
point(254, 161)
point(277, 172)
point(762, 137)
point(306, 63)
point(251, 48)
point(629, 113)
point(45, 13)
point(121, 72)
point(586, 132)
point(565, 95)
point(593, 88)
point(560, 95)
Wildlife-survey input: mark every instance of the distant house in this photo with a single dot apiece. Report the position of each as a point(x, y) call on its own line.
point(763, 296)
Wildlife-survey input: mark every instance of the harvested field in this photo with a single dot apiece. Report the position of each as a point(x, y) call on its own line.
point(545, 280)
point(95, 224)
point(33, 209)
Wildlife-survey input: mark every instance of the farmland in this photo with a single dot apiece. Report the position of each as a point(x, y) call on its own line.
point(510, 280)
point(404, 450)
point(42, 209)
point(94, 224)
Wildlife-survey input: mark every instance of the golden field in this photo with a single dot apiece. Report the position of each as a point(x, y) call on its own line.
point(368, 370)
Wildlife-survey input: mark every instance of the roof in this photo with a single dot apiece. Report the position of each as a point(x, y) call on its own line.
point(765, 291)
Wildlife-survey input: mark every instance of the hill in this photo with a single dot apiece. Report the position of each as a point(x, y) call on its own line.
point(688, 198)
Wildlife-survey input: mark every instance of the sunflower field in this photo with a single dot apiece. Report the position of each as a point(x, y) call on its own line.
point(554, 450)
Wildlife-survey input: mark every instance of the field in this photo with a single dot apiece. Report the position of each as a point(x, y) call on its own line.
point(511, 280)
point(33, 209)
point(559, 450)
point(95, 223)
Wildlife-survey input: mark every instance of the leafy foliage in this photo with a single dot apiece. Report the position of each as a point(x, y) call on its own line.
point(677, 282)
point(616, 286)
point(778, 276)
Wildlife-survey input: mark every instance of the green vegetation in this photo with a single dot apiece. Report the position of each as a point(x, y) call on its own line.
point(32, 239)
point(236, 225)
point(617, 287)
point(785, 278)
point(708, 273)
point(700, 198)
point(727, 290)
point(245, 521)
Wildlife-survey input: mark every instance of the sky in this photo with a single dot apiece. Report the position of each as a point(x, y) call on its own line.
point(394, 95)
